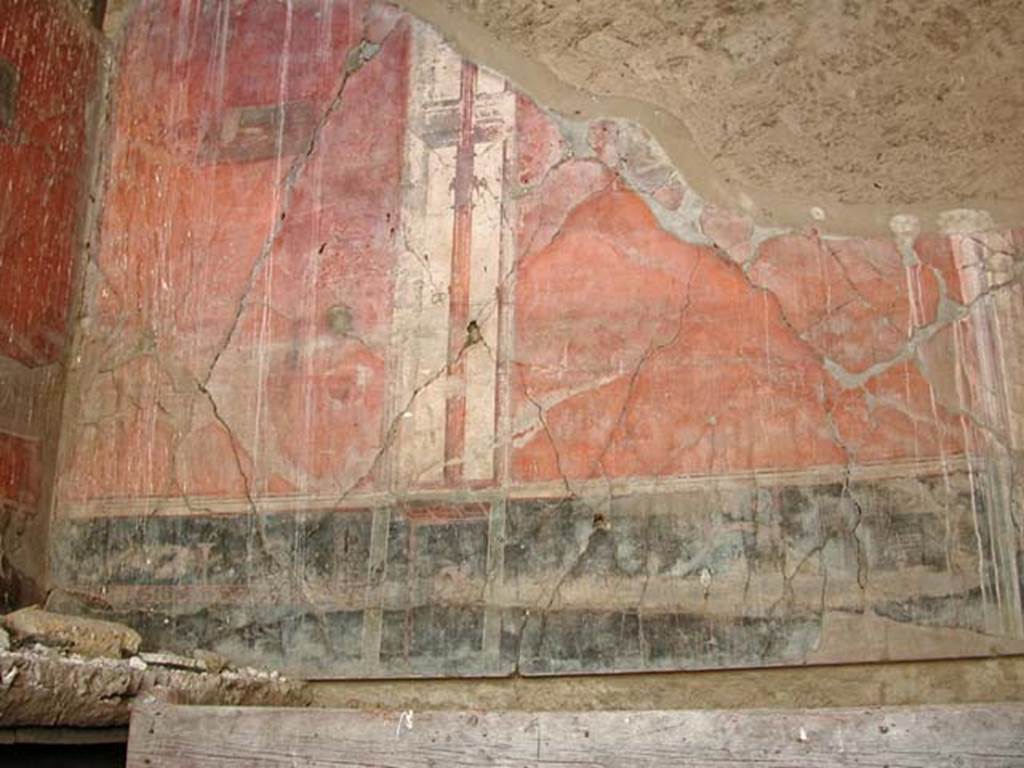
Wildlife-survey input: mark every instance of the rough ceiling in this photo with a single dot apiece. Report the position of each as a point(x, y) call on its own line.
point(859, 108)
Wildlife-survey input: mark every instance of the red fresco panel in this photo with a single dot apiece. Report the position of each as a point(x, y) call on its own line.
point(238, 257)
point(19, 470)
point(649, 356)
point(242, 261)
point(358, 285)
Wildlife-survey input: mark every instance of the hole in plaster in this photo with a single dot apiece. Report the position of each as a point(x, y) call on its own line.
point(473, 334)
point(8, 94)
point(339, 319)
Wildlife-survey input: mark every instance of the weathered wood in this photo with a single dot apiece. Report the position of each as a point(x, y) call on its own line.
point(47, 690)
point(176, 737)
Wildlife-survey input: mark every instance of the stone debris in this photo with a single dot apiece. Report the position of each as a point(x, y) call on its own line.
point(92, 638)
point(70, 671)
point(213, 662)
point(42, 688)
point(173, 661)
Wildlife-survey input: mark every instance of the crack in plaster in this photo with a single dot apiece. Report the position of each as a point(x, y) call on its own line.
point(360, 54)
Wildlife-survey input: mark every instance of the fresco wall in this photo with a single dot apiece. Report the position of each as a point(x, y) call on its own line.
point(384, 370)
point(48, 73)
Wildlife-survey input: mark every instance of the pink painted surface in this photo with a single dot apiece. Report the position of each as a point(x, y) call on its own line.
point(661, 358)
point(53, 61)
point(243, 258)
point(242, 340)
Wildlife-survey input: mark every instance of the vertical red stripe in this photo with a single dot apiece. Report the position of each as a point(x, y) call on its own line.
point(501, 382)
point(458, 289)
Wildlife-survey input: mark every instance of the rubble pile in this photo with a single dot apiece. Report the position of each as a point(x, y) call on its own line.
point(69, 671)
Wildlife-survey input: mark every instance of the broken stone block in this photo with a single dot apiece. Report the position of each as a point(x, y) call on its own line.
point(5, 640)
point(212, 662)
point(87, 637)
point(172, 661)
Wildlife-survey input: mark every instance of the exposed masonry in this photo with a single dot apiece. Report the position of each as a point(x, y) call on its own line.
point(807, 119)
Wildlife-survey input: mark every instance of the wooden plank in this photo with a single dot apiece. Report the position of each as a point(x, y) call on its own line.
point(67, 736)
point(178, 737)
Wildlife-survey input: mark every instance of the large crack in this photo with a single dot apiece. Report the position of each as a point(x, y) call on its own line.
point(555, 590)
point(847, 493)
point(391, 434)
point(358, 56)
point(652, 350)
point(918, 337)
point(542, 418)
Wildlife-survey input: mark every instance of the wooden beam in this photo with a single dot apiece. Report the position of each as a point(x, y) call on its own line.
point(64, 736)
point(178, 736)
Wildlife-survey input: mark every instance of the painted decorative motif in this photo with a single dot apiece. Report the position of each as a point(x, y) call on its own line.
point(48, 69)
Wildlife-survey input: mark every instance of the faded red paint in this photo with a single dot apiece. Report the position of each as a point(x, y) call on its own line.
point(539, 144)
point(730, 232)
point(936, 253)
point(43, 156)
point(19, 470)
point(228, 276)
point(659, 357)
point(640, 355)
point(427, 514)
point(242, 339)
point(853, 301)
